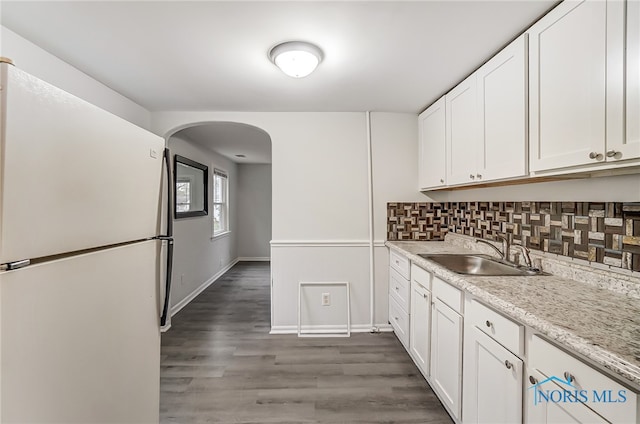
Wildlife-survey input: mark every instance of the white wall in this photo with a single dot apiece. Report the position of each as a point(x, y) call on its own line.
point(198, 259)
point(40, 63)
point(320, 204)
point(254, 211)
point(394, 148)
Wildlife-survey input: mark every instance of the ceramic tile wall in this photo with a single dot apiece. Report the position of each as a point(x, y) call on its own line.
point(607, 233)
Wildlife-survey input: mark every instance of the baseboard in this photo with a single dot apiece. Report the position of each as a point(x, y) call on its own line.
point(327, 329)
point(254, 259)
point(184, 302)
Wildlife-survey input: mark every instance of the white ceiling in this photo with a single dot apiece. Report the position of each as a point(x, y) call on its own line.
point(395, 56)
point(230, 139)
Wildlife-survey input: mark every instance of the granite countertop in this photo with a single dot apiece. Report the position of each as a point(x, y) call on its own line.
point(597, 323)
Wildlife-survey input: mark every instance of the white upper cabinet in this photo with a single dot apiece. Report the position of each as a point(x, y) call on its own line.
point(461, 132)
point(487, 120)
point(576, 84)
point(431, 154)
point(630, 146)
point(502, 108)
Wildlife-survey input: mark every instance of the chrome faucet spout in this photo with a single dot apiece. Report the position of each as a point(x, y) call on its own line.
point(525, 255)
point(491, 246)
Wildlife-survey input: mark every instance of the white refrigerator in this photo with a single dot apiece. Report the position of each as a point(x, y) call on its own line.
point(82, 261)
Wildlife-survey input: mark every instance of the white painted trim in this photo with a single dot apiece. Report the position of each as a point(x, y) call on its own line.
point(184, 302)
point(319, 243)
point(379, 243)
point(254, 259)
point(328, 329)
point(165, 328)
point(372, 284)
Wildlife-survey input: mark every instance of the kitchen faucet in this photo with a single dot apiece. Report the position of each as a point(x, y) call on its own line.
point(505, 253)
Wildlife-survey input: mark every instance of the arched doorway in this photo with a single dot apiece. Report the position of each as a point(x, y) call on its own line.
point(239, 156)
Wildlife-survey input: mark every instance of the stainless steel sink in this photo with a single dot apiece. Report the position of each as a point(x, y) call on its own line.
point(479, 265)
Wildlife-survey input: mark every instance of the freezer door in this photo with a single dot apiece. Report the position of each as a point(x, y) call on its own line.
point(80, 339)
point(72, 176)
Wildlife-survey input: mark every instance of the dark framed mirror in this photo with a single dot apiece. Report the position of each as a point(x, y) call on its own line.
point(190, 188)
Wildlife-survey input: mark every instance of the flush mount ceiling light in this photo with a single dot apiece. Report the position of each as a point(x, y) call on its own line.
point(296, 58)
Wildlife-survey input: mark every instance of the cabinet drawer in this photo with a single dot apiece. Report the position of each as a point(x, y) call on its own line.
point(399, 289)
point(399, 320)
point(421, 276)
point(400, 264)
point(603, 394)
point(448, 294)
point(506, 332)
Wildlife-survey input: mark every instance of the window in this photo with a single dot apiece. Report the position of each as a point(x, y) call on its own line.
point(220, 202)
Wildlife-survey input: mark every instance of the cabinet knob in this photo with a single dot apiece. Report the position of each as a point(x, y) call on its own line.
point(594, 155)
point(473, 177)
point(611, 153)
point(508, 364)
point(478, 176)
point(396, 318)
point(397, 289)
point(488, 323)
point(424, 295)
point(533, 380)
point(569, 377)
point(442, 180)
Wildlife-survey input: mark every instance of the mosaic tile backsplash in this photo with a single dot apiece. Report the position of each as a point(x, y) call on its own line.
point(607, 233)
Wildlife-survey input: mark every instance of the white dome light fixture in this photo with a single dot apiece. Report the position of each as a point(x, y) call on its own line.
point(296, 58)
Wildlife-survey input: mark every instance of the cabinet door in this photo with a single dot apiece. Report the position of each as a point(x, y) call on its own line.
point(630, 146)
point(462, 132)
point(446, 356)
point(431, 155)
point(556, 413)
point(420, 327)
point(492, 381)
point(502, 108)
point(567, 83)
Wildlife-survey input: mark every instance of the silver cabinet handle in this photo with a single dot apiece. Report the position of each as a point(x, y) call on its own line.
point(396, 318)
point(442, 180)
point(569, 377)
point(594, 155)
point(425, 296)
point(508, 364)
point(611, 153)
point(533, 380)
point(473, 177)
point(488, 323)
point(478, 176)
point(397, 289)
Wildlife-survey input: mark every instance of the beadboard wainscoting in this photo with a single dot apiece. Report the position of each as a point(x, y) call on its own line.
point(600, 232)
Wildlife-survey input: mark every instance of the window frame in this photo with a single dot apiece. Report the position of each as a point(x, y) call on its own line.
point(219, 172)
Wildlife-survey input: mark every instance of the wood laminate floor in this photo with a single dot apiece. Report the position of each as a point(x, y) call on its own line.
point(220, 365)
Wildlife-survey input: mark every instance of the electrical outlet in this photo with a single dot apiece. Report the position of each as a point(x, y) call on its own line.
point(326, 299)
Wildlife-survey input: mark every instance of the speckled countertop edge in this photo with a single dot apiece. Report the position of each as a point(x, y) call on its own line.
point(612, 351)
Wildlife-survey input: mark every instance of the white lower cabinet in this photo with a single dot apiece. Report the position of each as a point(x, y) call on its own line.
point(399, 292)
point(420, 333)
point(556, 413)
point(446, 356)
point(475, 365)
point(492, 381)
point(598, 395)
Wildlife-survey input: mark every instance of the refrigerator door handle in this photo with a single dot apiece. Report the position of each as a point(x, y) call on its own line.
point(168, 237)
point(15, 265)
